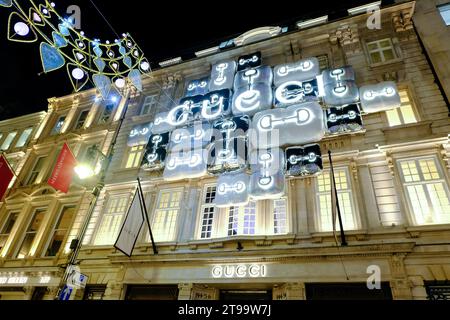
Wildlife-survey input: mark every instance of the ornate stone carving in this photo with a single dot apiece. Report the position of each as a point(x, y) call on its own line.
point(402, 21)
point(348, 38)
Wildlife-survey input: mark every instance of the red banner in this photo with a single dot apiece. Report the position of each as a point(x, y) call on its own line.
point(63, 172)
point(6, 176)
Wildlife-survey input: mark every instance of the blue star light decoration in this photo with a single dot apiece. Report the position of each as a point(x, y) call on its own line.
point(109, 66)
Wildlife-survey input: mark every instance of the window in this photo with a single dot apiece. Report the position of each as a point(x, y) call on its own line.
point(60, 231)
point(444, 10)
point(23, 140)
point(324, 63)
point(7, 228)
point(30, 234)
point(38, 166)
point(280, 216)
point(403, 115)
point(148, 103)
point(166, 215)
point(381, 51)
point(208, 211)
point(344, 190)
point(81, 119)
point(426, 190)
point(242, 220)
point(111, 221)
point(107, 114)
point(94, 292)
point(58, 126)
point(8, 141)
point(134, 156)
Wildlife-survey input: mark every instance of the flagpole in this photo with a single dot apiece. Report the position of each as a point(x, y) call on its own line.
point(155, 250)
point(341, 225)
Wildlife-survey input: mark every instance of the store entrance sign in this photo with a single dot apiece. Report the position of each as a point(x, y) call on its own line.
point(239, 271)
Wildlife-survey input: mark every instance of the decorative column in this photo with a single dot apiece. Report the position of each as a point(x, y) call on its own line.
point(400, 284)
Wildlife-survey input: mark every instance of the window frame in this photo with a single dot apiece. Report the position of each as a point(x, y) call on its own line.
point(216, 213)
point(380, 51)
point(145, 104)
point(353, 201)
point(33, 170)
point(81, 113)
point(27, 140)
point(53, 132)
point(101, 119)
point(5, 224)
point(11, 142)
point(105, 212)
point(137, 160)
point(170, 191)
point(422, 182)
point(399, 111)
point(21, 243)
point(51, 234)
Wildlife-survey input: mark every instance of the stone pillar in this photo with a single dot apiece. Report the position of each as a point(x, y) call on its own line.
point(419, 292)
point(289, 291)
point(400, 284)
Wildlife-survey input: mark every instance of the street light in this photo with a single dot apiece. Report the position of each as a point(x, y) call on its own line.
point(91, 164)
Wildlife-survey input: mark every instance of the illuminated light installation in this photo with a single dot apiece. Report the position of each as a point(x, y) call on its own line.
point(249, 61)
point(197, 136)
point(156, 151)
point(162, 124)
point(139, 135)
point(295, 125)
point(303, 70)
point(232, 190)
point(207, 107)
point(267, 180)
point(216, 104)
point(340, 86)
point(380, 97)
point(197, 87)
point(303, 161)
point(200, 137)
point(252, 91)
point(62, 45)
point(222, 76)
point(344, 119)
point(185, 165)
point(295, 92)
point(229, 148)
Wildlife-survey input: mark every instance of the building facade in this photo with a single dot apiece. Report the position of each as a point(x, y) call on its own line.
point(392, 178)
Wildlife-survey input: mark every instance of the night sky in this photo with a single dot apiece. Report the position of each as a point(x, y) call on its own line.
point(164, 30)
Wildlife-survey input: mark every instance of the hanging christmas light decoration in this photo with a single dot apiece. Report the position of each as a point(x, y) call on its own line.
point(109, 66)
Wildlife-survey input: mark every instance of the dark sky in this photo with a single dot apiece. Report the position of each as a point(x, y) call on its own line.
point(164, 30)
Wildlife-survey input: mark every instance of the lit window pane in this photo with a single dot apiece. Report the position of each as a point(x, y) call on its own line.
point(280, 216)
point(165, 219)
point(428, 194)
point(345, 200)
point(208, 211)
point(111, 221)
point(393, 118)
point(408, 114)
point(429, 169)
point(24, 138)
point(8, 140)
